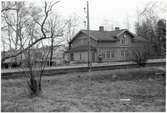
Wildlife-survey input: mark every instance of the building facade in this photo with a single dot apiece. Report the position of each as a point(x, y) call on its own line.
point(117, 45)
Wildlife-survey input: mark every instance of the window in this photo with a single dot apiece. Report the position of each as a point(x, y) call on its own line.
point(122, 52)
point(108, 54)
point(112, 54)
point(123, 41)
point(103, 54)
point(126, 53)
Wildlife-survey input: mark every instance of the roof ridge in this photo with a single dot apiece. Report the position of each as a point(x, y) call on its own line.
point(103, 31)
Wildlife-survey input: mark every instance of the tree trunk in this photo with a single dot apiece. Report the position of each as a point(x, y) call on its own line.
point(33, 83)
point(51, 52)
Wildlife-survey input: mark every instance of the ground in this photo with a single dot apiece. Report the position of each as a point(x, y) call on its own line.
point(141, 89)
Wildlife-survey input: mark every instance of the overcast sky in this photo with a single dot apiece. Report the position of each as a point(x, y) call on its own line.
point(108, 12)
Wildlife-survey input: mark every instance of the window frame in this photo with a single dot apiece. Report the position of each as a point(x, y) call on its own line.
point(123, 41)
point(108, 56)
point(125, 52)
point(112, 54)
point(103, 55)
point(122, 52)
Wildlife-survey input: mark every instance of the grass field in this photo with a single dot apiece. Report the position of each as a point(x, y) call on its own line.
point(95, 91)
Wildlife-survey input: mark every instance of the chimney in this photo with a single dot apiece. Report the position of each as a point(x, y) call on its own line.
point(101, 28)
point(116, 28)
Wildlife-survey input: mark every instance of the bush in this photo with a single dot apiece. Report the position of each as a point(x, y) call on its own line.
point(140, 57)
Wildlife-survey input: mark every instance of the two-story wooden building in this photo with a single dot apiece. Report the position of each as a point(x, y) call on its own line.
point(117, 45)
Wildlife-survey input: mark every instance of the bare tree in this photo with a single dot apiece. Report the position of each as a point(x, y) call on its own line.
point(146, 26)
point(161, 36)
point(56, 29)
point(35, 83)
point(47, 9)
point(16, 14)
point(36, 61)
point(34, 25)
point(71, 28)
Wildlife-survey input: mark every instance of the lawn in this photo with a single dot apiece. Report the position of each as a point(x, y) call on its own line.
point(113, 90)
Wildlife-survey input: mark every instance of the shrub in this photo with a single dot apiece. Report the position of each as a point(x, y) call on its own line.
point(140, 57)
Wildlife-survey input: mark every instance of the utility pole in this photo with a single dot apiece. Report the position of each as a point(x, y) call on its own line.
point(89, 41)
point(161, 52)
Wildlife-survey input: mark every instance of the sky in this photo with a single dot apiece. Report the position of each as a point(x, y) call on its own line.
point(107, 13)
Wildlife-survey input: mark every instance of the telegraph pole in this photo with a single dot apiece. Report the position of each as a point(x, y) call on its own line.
point(89, 41)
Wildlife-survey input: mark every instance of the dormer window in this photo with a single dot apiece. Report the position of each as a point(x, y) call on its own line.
point(123, 41)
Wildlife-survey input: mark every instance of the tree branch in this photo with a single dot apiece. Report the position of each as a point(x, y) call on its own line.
point(8, 8)
point(22, 51)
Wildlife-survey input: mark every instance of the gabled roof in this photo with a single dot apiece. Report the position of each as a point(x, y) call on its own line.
point(107, 35)
point(103, 35)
